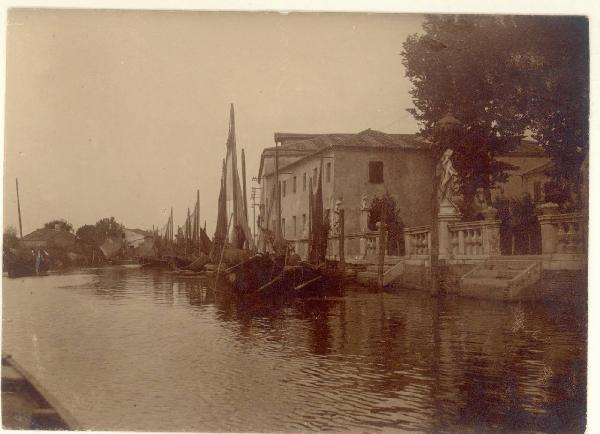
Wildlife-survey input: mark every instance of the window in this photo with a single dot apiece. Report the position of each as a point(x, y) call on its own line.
point(303, 221)
point(376, 172)
point(304, 181)
point(315, 177)
point(283, 227)
point(283, 192)
point(328, 172)
point(537, 191)
point(294, 186)
point(294, 223)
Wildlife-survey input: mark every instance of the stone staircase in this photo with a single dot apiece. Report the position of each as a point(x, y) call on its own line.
point(502, 279)
point(393, 266)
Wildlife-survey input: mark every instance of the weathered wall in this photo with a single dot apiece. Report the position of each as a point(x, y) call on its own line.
point(406, 177)
point(515, 187)
point(296, 204)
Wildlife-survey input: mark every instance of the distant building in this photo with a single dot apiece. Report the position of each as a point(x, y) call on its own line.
point(139, 242)
point(369, 164)
point(530, 175)
point(50, 238)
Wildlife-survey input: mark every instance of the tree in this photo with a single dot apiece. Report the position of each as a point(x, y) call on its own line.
point(553, 63)
point(10, 239)
point(108, 227)
point(88, 234)
point(62, 224)
point(392, 220)
point(501, 75)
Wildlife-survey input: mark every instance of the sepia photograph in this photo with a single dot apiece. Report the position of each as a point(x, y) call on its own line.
point(299, 221)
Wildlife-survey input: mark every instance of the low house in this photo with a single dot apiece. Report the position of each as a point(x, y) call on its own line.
point(139, 242)
point(50, 238)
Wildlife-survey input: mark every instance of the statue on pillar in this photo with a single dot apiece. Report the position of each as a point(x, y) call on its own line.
point(447, 189)
point(336, 218)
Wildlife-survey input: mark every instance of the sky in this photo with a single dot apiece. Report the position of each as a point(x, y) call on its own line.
point(125, 113)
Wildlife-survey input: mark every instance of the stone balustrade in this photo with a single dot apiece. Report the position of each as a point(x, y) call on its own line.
point(369, 242)
point(474, 239)
point(562, 233)
point(417, 241)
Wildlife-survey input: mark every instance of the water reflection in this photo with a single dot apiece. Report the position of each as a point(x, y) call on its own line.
point(208, 360)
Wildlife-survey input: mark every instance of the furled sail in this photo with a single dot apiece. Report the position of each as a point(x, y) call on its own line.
point(239, 231)
point(319, 229)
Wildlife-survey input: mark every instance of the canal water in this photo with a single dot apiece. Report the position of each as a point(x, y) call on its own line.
point(128, 349)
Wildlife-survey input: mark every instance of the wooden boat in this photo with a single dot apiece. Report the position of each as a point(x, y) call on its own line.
point(21, 263)
point(27, 405)
point(150, 262)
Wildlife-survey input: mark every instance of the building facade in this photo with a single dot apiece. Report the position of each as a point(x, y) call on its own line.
point(356, 169)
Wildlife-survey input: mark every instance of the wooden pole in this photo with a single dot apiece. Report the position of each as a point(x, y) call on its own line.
point(234, 177)
point(277, 197)
point(244, 184)
point(19, 210)
point(198, 221)
point(381, 254)
point(342, 263)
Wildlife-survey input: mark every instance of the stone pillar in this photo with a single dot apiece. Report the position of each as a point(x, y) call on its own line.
point(549, 238)
point(447, 215)
point(490, 233)
point(408, 246)
point(364, 226)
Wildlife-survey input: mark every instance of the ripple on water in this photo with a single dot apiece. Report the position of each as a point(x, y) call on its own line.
point(128, 349)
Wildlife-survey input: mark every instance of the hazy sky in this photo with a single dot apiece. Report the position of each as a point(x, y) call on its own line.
point(125, 113)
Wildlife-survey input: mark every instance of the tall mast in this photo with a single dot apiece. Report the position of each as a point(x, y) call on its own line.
point(171, 226)
point(198, 237)
point(19, 209)
point(277, 195)
point(233, 167)
point(244, 184)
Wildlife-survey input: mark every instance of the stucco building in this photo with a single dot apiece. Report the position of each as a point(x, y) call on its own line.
point(367, 164)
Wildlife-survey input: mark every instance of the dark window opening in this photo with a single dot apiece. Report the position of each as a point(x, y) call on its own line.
point(376, 172)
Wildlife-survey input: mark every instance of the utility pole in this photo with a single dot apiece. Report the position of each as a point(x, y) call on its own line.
point(254, 197)
point(19, 210)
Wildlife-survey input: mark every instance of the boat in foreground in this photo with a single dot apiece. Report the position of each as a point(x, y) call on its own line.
point(27, 405)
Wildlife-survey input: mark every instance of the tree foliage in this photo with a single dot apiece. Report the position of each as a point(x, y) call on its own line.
point(501, 75)
point(87, 234)
point(62, 224)
point(386, 206)
point(10, 239)
point(108, 227)
point(104, 228)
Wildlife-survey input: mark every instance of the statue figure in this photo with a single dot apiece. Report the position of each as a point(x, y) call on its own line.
point(336, 218)
point(363, 203)
point(447, 188)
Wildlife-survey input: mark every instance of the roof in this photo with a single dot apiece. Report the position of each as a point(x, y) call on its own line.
point(49, 234)
point(541, 169)
point(297, 147)
point(527, 148)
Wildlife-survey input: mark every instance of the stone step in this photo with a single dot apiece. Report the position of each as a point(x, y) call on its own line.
point(375, 268)
point(484, 288)
point(508, 264)
point(495, 273)
point(485, 282)
point(366, 278)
